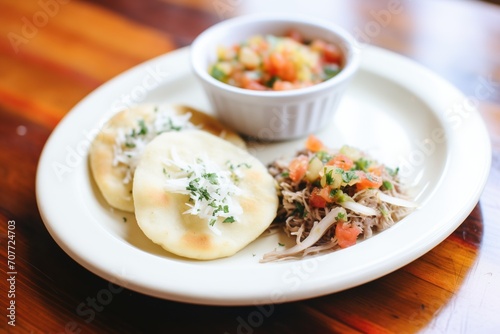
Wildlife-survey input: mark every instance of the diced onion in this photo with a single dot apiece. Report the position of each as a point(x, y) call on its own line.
point(313, 170)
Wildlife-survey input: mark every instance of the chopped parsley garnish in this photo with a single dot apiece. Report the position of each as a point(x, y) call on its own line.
point(229, 220)
point(269, 83)
point(211, 177)
point(196, 190)
point(323, 156)
point(130, 142)
point(335, 192)
point(387, 185)
point(348, 176)
point(329, 177)
point(143, 129)
point(236, 174)
point(362, 164)
point(211, 189)
point(217, 73)
point(338, 195)
point(233, 167)
point(300, 210)
point(317, 183)
point(172, 126)
point(330, 72)
point(340, 216)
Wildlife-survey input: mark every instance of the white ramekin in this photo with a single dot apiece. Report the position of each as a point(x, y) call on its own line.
point(273, 115)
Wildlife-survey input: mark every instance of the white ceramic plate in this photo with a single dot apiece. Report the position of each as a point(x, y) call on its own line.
point(396, 110)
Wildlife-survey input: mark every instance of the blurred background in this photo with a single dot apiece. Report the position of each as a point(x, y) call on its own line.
point(113, 35)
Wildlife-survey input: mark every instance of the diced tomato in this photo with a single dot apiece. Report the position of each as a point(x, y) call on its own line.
point(317, 200)
point(279, 65)
point(332, 54)
point(325, 193)
point(341, 161)
point(254, 85)
point(273, 62)
point(298, 168)
point(346, 234)
point(314, 144)
point(367, 180)
point(251, 84)
point(283, 85)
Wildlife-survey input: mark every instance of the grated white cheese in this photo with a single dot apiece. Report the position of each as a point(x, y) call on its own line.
point(211, 189)
point(130, 144)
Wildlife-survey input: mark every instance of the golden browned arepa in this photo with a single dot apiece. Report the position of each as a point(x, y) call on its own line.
point(201, 197)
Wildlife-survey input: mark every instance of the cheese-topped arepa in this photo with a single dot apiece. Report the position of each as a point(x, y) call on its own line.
point(117, 149)
point(201, 197)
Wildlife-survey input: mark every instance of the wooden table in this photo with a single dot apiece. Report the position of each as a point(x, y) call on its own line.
point(54, 52)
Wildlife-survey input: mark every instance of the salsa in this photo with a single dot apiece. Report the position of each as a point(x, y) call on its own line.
point(275, 63)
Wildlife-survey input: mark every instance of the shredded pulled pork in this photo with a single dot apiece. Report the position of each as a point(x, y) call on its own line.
point(332, 203)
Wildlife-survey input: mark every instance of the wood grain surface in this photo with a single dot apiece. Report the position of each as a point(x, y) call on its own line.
point(55, 52)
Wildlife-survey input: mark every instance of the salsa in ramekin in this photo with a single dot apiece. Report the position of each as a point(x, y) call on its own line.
point(276, 63)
